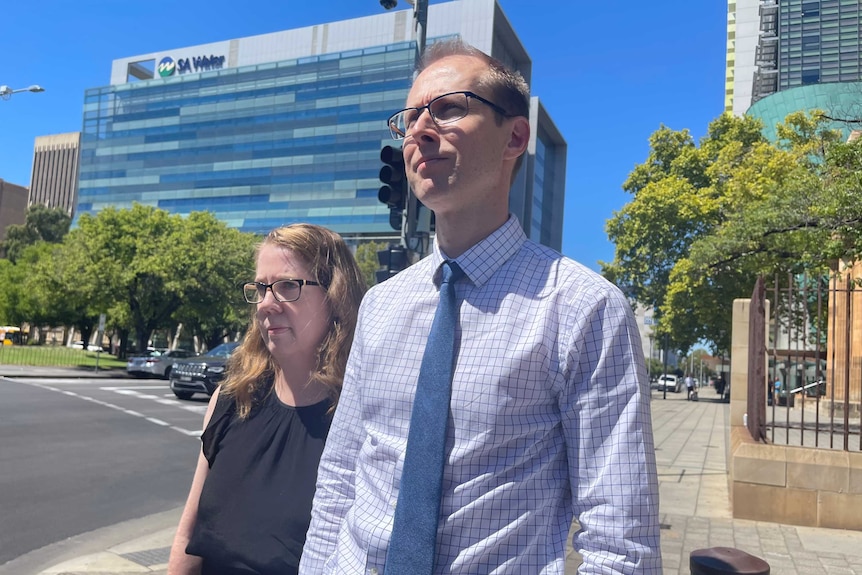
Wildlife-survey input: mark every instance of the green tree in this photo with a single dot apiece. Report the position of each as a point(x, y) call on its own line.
point(220, 260)
point(42, 302)
point(41, 224)
point(11, 279)
point(366, 257)
point(706, 220)
point(677, 197)
point(135, 264)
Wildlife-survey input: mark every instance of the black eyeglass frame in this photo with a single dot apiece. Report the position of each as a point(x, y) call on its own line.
point(266, 286)
point(396, 134)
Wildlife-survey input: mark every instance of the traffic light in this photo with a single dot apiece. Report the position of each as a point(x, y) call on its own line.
point(393, 259)
point(393, 192)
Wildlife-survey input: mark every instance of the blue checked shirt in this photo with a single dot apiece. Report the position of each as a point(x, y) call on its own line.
point(549, 420)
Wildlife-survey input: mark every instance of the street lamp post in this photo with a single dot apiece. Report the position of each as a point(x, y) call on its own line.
point(6, 92)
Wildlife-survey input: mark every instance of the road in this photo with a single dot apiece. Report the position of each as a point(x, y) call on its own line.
point(80, 454)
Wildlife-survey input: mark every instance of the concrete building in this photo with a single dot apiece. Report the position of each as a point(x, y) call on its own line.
point(288, 126)
point(54, 180)
point(13, 206)
point(775, 46)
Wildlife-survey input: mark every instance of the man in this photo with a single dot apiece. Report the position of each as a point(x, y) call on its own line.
point(689, 386)
point(549, 416)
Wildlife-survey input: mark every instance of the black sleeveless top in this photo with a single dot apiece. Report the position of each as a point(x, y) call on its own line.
point(255, 505)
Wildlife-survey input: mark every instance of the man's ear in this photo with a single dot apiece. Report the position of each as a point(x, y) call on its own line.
point(519, 138)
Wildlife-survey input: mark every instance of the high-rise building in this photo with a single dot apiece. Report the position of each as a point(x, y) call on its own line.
point(789, 55)
point(54, 181)
point(288, 126)
point(13, 206)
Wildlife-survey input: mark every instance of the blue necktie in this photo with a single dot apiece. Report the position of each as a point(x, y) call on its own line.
point(412, 548)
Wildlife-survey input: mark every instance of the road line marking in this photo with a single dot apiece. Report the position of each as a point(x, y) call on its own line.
point(153, 420)
point(116, 387)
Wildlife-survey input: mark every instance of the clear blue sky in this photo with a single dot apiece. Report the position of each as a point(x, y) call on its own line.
point(609, 73)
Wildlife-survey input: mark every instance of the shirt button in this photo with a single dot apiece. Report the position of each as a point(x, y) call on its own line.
point(372, 571)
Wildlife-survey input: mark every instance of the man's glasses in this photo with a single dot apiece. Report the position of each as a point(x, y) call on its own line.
point(443, 109)
point(283, 290)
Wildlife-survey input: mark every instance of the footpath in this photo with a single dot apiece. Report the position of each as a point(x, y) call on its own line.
point(691, 447)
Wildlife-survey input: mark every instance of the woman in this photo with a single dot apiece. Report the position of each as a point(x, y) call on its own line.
point(250, 501)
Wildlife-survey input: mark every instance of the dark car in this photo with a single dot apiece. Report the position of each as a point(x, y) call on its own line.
point(201, 374)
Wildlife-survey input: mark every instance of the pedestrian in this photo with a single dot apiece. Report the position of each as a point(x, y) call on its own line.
point(249, 505)
point(776, 391)
point(495, 389)
point(689, 386)
point(720, 385)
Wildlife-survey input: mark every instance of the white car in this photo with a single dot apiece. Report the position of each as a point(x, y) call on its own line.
point(669, 381)
point(158, 362)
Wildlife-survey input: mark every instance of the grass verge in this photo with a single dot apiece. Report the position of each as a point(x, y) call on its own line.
point(56, 356)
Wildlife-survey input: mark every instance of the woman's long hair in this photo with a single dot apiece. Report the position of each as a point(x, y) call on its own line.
point(330, 263)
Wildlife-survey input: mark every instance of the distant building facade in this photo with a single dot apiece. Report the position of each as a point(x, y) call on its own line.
point(13, 206)
point(288, 126)
point(775, 46)
point(54, 180)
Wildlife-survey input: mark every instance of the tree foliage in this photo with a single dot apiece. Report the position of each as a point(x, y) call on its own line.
point(41, 224)
point(705, 220)
point(212, 303)
point(366, 258)
point(143, 267)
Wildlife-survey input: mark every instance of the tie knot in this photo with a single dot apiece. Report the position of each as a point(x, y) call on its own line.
point(452, 272)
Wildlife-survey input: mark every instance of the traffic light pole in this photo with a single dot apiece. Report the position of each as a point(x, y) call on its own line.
point(416, 228)
point(406, 213)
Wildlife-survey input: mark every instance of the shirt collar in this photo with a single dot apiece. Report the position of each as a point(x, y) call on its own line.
point(482, 261)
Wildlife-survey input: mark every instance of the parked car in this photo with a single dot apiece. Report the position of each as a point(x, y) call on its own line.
point(80, 345)
point(670, 381)
point(157, 362)
point(201, 374)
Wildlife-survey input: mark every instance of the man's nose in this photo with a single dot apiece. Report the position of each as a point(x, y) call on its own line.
point(424, 122)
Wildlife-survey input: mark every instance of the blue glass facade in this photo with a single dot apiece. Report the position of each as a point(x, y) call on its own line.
point(819, 42)
point(261, 146)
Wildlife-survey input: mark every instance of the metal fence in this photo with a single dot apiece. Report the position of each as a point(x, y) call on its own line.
point(55, 355)
point(805, 361)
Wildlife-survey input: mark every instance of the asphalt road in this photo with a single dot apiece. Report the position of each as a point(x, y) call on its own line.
point(80, 454)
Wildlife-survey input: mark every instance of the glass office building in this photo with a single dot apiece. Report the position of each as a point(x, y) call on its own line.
point(781, 45)
point(288, 127)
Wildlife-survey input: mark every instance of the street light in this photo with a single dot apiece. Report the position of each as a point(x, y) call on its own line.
point(6, 92)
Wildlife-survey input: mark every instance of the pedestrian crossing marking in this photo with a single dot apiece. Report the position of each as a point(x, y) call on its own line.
point(128, 392)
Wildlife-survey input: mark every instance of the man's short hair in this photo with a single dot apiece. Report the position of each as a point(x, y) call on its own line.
point(501, 84)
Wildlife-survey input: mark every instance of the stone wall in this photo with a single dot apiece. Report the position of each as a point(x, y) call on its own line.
point(785, 484)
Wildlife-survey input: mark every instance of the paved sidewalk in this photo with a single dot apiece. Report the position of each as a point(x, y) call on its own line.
point(691, 445)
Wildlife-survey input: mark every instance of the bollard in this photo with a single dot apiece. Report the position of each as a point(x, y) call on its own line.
point(725, 561)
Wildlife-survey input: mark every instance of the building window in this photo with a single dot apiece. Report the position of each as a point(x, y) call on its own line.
point(810, 77)
point(811, 8)
point(811, 42)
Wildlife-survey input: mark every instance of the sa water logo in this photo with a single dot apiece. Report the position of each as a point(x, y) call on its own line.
point(167, 67)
